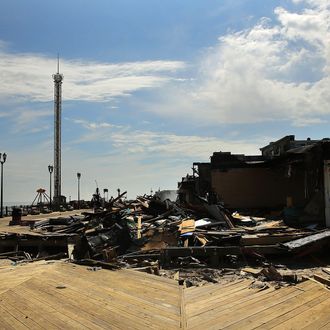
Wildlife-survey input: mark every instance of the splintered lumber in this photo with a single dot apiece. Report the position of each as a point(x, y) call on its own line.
point(217, 212)
point(319, 238)
point(220, 250)
point(143, 202)
point(269, 238)
point(139, 218)
point(253, 271)
point(187, 226)
point(326, 270)
point(322, 279)
point(96, 263)
point(160, 217)
point(118, 198)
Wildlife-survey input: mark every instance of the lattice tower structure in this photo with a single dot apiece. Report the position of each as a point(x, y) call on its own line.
point(58, 78)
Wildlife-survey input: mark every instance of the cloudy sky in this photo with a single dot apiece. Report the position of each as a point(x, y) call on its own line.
point(151, 86)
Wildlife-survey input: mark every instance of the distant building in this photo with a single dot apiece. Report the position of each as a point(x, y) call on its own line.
point(280, 147)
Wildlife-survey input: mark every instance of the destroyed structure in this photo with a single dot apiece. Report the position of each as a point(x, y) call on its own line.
point(289, 176)
point(248, 225)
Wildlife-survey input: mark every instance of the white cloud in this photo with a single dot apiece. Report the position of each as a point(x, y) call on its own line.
point(28, 76)
point(324, 4)
point(273, 71)
point(303, 122)
point(276, 70)
point(24, 117)
point(151, 144)
point(93, 125)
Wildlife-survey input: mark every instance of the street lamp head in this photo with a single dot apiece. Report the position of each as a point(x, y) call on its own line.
point(78, 175)
point(3, 157)
point(50, 169)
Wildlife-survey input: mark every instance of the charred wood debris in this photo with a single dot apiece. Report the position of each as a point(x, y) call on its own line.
point(194, 246)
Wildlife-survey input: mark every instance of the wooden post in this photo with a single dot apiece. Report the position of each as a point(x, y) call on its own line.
point(139, 227)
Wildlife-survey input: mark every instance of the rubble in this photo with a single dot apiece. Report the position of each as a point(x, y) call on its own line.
point(158, 236)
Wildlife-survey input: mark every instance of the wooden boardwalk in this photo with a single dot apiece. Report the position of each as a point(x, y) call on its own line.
point(235, 306)
point(59, 295)
point(5, 228)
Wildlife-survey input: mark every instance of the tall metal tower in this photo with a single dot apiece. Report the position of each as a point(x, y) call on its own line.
point(57, 133)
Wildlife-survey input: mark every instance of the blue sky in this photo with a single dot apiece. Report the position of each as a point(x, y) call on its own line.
point(152, 86)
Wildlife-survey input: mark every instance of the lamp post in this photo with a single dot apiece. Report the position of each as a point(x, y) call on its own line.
point(50, 170)
point(78, 176)
point(3, 158)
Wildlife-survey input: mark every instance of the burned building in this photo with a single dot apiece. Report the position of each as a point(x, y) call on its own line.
point(290, 175)
point(197, 184)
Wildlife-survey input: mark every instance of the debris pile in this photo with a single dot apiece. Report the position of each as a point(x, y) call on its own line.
point(165, 238)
